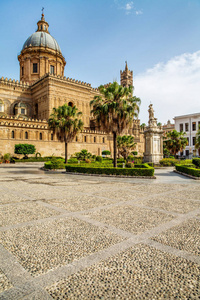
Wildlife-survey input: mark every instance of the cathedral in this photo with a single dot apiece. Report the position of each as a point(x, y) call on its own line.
point(25, 105)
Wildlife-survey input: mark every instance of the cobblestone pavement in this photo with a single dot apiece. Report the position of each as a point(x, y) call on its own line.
point(86, 237)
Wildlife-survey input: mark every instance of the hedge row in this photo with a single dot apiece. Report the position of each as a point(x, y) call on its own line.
point(188, 170)
point(196, 162)
point(144, 171)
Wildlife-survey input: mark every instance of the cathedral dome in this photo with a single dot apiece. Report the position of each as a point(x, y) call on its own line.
point(40, 55)
point(41, 39)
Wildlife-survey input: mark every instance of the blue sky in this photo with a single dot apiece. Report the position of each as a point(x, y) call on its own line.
point(160, 39)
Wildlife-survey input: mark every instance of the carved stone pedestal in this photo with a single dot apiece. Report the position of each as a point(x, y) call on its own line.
point(153, 139)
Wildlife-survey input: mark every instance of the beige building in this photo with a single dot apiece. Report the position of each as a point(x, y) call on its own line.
point(26, 105)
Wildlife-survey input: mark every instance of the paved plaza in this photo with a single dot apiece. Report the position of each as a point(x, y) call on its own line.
point(86, 237)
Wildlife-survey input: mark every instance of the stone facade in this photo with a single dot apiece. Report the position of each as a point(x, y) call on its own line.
point(25, 106)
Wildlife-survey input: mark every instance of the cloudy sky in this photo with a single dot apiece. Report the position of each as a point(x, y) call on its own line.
point(160, 39)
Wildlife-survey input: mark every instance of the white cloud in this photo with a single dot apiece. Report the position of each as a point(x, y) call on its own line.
point(138, 12)
point(128, 7)
point(172, 87)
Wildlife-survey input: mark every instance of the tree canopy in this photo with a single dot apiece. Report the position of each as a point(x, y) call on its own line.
point(175, 141)
point(115, 110)
point(125, 145)
point(24, 149)
point(66, 123)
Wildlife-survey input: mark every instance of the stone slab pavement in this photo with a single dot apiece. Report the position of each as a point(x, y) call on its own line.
point(80, 237)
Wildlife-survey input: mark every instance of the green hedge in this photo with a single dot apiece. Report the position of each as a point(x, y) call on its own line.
point(188, 170)
point(144, 171)
point(196, 162)
point(168, 162)
point(54, 164)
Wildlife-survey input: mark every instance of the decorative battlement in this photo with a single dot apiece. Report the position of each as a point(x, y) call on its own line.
point(14, 82)
point(64, 78)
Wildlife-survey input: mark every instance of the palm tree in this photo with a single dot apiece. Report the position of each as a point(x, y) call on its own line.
point(125, 145)
point(197, 144)
point(115, 110)
point(142, 126)
point(65, 123)
point(175, 141)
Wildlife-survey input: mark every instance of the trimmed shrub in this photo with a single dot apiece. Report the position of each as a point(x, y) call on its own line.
point(145, 171)
point(105, 152)
point(188, 170)
point(24, 149)
point(196, 162)
point(168, 162)
point(54, 164)
point(99, 158)
point(72, 160)
point(120, 160)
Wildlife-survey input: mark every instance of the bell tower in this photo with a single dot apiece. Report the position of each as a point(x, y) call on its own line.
point(126, 77)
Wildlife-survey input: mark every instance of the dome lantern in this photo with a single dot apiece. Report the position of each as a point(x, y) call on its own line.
point(42, 24)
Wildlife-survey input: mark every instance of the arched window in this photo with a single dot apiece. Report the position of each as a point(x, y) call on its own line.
point(26, 135)
point(1, 106)
point(70, 104)
point(103, 140)
point(20, 109)
point(52, 137)
point(40, 135)
point(85, 139)
point(94, 139)
point(13, 134)
point(76, 139)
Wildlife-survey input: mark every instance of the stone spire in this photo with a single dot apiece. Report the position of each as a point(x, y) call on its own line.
point(126, 77)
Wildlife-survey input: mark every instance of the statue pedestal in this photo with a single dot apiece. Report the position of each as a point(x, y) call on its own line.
point(153, 140)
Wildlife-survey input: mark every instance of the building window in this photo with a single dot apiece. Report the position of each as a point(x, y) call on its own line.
point(44, 27)
point(40, 136)
point(1, 106)
point(52, 69)
point(193, 126)
point(13, 134)
point(76, 139)
point(193, 140)
point(41, 27)
point(70, 104)
point(35, 68)
point(188, 140)
point(23, 111)
point(52, 137)
point(103, 140)
point(22, 71)
point(186, 127)
point(181, 127)
point(94, 139)
point(26, 135)
point(85, 139)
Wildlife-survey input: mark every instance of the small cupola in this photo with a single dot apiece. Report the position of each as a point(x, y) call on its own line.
point(42, 25)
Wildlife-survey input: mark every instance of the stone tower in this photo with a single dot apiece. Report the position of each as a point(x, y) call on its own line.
point(40, 55)
point(126, 77)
